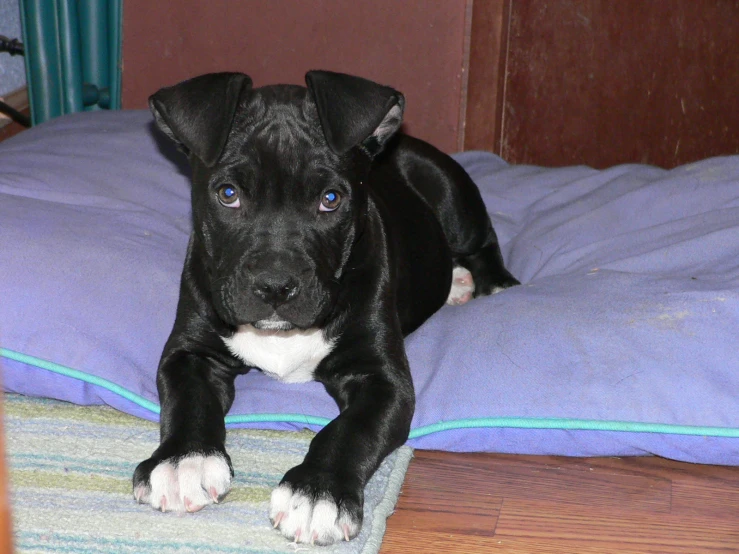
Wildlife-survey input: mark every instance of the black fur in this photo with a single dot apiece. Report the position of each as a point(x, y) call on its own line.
point(367, 274)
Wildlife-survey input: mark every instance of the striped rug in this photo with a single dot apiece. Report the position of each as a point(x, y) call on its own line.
point(70, 476)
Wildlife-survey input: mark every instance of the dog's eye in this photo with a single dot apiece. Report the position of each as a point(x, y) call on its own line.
point(228, 196)
point(330, 201)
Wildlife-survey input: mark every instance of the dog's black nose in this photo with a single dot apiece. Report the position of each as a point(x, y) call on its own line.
point(275, 288)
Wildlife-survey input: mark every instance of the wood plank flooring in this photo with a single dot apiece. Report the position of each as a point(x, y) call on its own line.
point(468, 503)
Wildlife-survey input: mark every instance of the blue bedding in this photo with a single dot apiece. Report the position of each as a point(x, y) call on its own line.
point(622, 339)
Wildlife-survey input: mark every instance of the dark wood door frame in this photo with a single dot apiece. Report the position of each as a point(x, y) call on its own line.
point(483, 90)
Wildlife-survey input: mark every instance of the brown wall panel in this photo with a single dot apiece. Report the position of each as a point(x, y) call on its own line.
point(488, 41)
point(608, 81)
point(414, 45)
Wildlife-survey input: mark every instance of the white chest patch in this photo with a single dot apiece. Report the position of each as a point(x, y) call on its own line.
point(290, 356)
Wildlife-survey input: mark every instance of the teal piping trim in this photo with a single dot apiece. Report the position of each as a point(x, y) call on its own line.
point(472, 423)
point(282, 418)
point(81, 376)
point(574, 425)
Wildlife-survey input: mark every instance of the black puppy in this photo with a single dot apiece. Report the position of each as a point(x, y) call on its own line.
point(320, 238)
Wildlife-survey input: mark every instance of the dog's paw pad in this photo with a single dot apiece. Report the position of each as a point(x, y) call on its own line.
point(462, 287)
point(187, 485)
point(305, 520)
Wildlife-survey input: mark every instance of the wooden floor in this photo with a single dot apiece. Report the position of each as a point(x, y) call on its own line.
point(469, 503)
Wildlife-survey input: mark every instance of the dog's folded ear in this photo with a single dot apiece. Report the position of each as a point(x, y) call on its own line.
point(197, 113)
point(354, 111)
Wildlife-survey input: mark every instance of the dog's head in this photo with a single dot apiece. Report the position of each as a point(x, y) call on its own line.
point(279, 176)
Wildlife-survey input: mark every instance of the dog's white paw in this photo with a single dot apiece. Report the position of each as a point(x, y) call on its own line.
point(188, 485)
point(462, 287)
point(316, 521)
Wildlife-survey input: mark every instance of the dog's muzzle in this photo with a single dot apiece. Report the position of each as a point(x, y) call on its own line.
point(271, 298)
point(275, 288)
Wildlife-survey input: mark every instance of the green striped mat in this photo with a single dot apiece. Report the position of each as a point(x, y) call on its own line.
point(70, 477)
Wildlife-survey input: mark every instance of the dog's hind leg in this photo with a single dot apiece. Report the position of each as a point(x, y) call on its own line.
point(456, 201)
point(463, 286)
point(479, 274)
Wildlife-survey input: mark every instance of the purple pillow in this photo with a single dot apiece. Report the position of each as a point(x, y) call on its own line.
point(621, 341)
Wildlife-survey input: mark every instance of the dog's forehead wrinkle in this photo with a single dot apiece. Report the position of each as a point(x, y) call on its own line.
point(282, 129)
point(280, 136)
point(274, 107)
point(277, 118)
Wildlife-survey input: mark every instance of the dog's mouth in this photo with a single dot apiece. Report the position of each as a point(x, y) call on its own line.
point(273, 323)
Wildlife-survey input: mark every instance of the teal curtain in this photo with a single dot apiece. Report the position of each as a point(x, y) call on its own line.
point(73, 55)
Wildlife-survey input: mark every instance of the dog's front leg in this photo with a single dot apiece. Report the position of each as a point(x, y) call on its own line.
point(191, 468)
point(321, 500)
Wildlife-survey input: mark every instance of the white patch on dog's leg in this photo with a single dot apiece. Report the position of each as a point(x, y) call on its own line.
point(294, 510)
point(303, 520)
point(165, 489)
point(216, 478)
point(325, 526)
point(462, 287)
point(189, 486)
